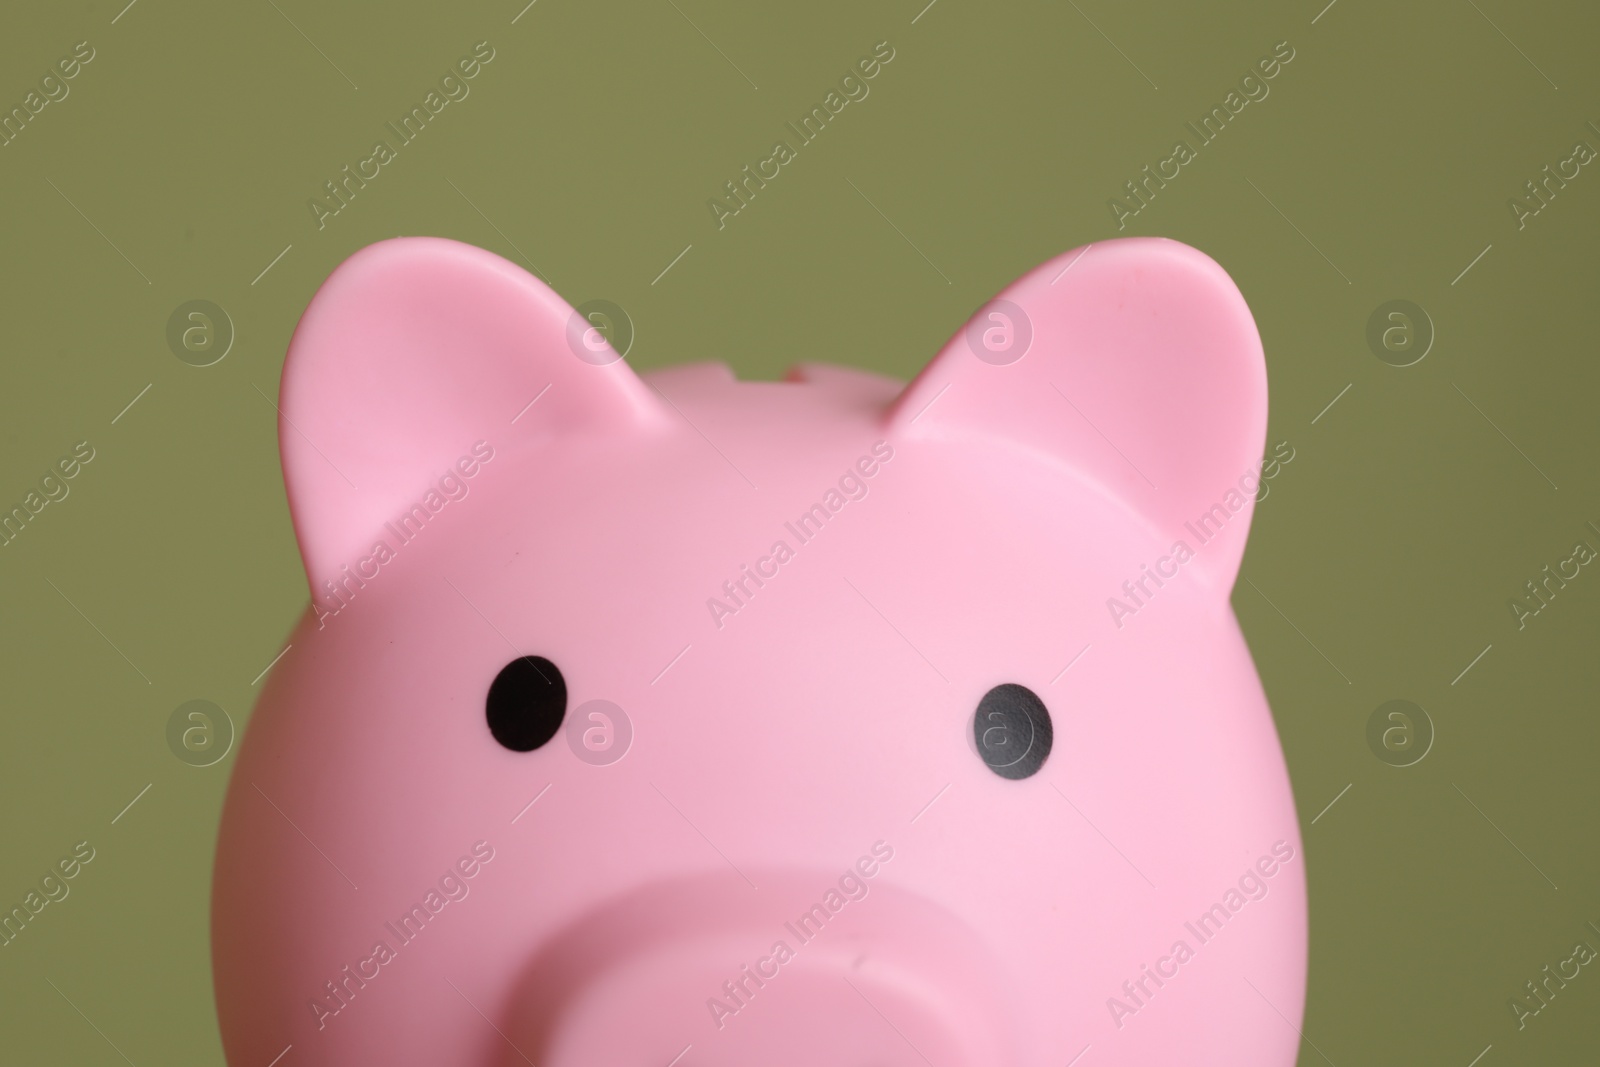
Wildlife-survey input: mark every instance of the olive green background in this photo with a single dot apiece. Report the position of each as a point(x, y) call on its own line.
point(1378, 168)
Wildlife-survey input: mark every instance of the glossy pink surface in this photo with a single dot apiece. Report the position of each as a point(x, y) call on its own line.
point(811, 741)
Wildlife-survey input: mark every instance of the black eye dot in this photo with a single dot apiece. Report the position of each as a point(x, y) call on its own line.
point(1013, 731)
point(526, 703)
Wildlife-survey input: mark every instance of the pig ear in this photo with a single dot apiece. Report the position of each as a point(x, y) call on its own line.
point(1134, 362)
point(413, 351)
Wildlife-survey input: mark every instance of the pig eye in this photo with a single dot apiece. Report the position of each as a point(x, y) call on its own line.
point(526, 703)
point(1013, 731)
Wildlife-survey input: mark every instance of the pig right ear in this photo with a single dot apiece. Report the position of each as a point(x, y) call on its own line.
point(1134, 361)
point(413, 351)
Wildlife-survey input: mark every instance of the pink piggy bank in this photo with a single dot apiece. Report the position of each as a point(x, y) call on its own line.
point(679, 721)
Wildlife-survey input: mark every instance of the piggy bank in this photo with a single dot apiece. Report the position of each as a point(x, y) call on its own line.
point(682, 721)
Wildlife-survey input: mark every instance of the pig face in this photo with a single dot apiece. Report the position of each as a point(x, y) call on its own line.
point(682, 720)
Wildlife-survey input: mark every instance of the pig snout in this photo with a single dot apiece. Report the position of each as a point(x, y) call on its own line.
point(713, 973)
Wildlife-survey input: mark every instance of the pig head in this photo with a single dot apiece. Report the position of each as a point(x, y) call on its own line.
point(682, 720)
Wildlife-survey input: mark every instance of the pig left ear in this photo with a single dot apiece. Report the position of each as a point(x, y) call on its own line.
point(1134, 362)
point(413, 352)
